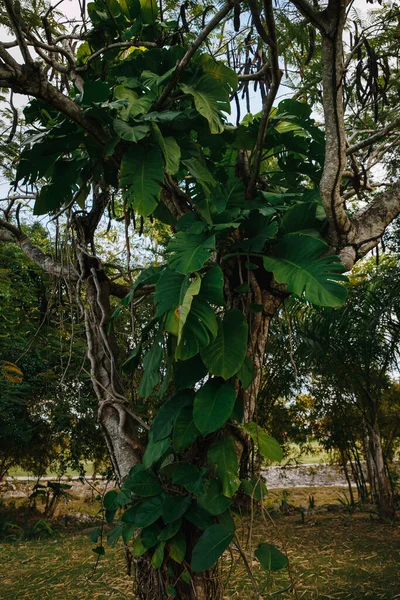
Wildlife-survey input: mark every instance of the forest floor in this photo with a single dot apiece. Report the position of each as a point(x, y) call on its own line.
point(333, 555)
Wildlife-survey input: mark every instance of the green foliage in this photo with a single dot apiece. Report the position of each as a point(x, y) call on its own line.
point(301, 267)
point(210, 99)
point(222, 456)
point(169, 156)
point(141, 173)
point(213, 406)
point(267, 445)
point(225, 355)
point(271, 559)
point(211, 545)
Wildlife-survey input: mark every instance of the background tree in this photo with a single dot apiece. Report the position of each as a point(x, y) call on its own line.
point(355, 350)
point(48, 413)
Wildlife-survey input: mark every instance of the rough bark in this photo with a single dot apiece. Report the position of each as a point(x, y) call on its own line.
point(152, 584)
point(258, 339)
point(116, 421)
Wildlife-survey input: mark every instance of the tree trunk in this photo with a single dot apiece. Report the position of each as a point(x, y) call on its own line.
point(259, 329)
point(346, 474)
point(385, 498)
point(152, 584)
point(118, 426)
point(370, 463)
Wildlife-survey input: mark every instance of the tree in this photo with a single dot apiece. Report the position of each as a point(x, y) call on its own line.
point(355, 350)
point(47, 411)
point(129, 114)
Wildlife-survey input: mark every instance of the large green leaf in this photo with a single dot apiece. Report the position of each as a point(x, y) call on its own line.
point(149, 511)
point(170, 530)
point(301, 267)
point(144, 484)
point(174, 507)
point(190, 476)
point(211, 545)
point(213, 405)
point(193, 290)
point(210, 98)
point(170, 149)
point(188, 372)
point(150, 535)
point(128, 133)
point(202, 175)
point(212, 286)
point(267, 445)
point(151, 365)
point(149, 11)
point(177, 547)
point(158, 556)
point(154, 451)
point(246, 373)
point(255, 488)
point(212, 500)
point(142, 169)
point(170, 291)
point(225, 355)
point(199, 517)
point(189, 251)
point(222, 455)
point(221, 72)
point(185, 431)
point(300, 216)
point(131, 104)
point(165, 418)
point(271, 559)
point(200, 328)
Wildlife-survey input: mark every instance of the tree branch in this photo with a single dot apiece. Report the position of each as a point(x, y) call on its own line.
point(16, 27)
point(31, 81)
point(369, 224)
point(381, 133)
point(255, 76)
point(276, 76)
point(44, 261)
point(182, 64)
point(310, 13)
point(335, 155)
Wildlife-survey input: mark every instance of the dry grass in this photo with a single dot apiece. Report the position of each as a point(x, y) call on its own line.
point(301, 495)
point(61, 568)
point(332, 556)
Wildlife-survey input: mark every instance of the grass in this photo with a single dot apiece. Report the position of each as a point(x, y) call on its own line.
point(18, 472)
point(332, 556)
point(301, 495)
point(60, 568)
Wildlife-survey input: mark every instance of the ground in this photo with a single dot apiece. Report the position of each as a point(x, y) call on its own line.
point(333, 555)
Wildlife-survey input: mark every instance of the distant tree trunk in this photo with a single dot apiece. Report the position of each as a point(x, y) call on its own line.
point(385, 497)
point(5, 466)
point(370, 463)
point(343, 459)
